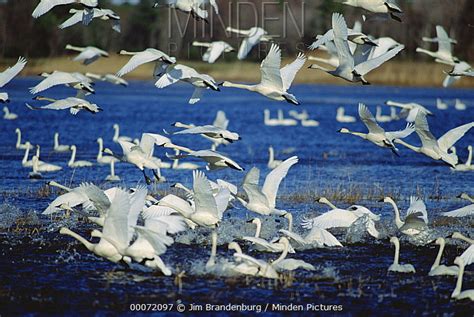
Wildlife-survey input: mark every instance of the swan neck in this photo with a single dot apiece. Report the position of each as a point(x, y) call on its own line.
point(458, 288)
point(398, 222)
point(411, 147)
point(73, 156)
point(116, 132)
point(112, 168)
point(258, 229)
point(18, 138)
point(290, 222)
point(438, 257)
point(241, 86)
point(212, 258)
point(283, 254)
point(25, 157)
point(101, 148)
point(271, 155)
point(469, 157)
point(397, 252)
point(86, 243)
point(56, 140)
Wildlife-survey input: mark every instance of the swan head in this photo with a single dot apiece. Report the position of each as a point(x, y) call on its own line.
point(17, 130)
point(287, 215)
point(323, 200)
point(96, 234)
point(64, 230)
point(284, 241)
point(28, 144)
point(99, 140)
point(255, 221)
point(85, 87)
point(464, 196)
point(234, 246)
point(387, 200)
point(361, 210)
point(457, 235)
point(394, 240)
point(343, 130)
point(108, 151)
point(440, 241)
point(73, 148)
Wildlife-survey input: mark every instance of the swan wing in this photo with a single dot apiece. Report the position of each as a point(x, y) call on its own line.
point(56, 78)
point(155, 211)
point(61, 104)
point(274, 178)
point(201, 130)
point(371, 64)
point(222, 201)
point(294, 237)
point(288, 73)
point(216, 50)
point(72, 199)
point(444, 42)
point(137, 60)
point(409, 129)
point(116, 219)
point(171, 224)
point(203, 198)
point(321, 236)
point(250, 186)
point(11, 72)
point(74, 19)
point(417, 205)
point(262, 243)
point(137, 202)
point(336, 218)
point(172, 76)
point(293, 264)
point(270, 68)
point(422, 128)
point(368, 118)
point(231, 187)
point(468, 255)
point(149, 140)
point(322, 40)
point(452, 136)
point(158, 241)
point(126, 146)
point(460, 212)
point(178, 204)
point(251, 260)
point(98, 198)
point(221, 120)
point(45, 5)
point(344, 55)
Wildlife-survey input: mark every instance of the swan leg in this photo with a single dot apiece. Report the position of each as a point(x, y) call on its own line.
point(157, 175)
point(147, 179)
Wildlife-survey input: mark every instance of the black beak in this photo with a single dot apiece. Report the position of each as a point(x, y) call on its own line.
point(381, 200)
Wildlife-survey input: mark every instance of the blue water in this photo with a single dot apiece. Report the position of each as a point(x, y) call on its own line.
point(50, 273)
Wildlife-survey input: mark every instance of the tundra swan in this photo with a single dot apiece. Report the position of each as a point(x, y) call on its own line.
point(416, 219)
point(143, 57)
point(88, 54)
point(377, 135)
point(101, 159)
point(389, 7)
point(268, 121)
point(25, 162)
point(342, 117)
point(460, 212)
point(275, 82)
point(59, 147)
point(193, 7)
point(468, 255)
point(459, 105)
point(183, 166)
point(213, 132)
point(436, 149)
point(436, 268)
point(111, 78)
point(261, 244)
point(214, 50)
point(272, 163)
point(441, 105)
point(444, 52)
point(348, 69)
point(309, 123)
point(112, 177)
point(457, 294)
point(117, 137)
point(460, 68)
point(4, 97)
point(19, 145)
point(215, 160)
point(354, 36)
point(379, 117)
point(46, 5)
point(97, 13)
point(285, 121)
point(395, 267)
point(44, 167)
point(74, 80)
point(409, 110)
point(283, 264)
point(467, 165)
point(252, 37)
point(9, 115)
point(8, 74)
point(263, 201)
point(74, 104)
point(240, 266)
point(72, 161)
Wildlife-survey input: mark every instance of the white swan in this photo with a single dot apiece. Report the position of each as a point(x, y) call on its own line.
point(467, 165)
point(143, 57)
point(117, 137)
point(354, 35)
point(460, 212)
point(348, 69)
point(97, 13)
point(377, 6)
point(39, 167)
point(214, 160)
point(25, 162)
point(309, 123)
point(272, 163)
point(441, 105)
point(459, 105)
point(183, 166)
point(214, 50)
point(285, 121)
point(19, 145)
point(379, 117)
point(263, 201)
point(193, 7)
point(46, 5)
point(342, 117)
point(112, 177)
point(72, 161)
point(261, 244)
point(457, 294)
point(275, 82)
point(252, 37)
point(283, 264)
point(8, 74)
point(88, 54)
point(269, 121)
point(436, 149)
point(395, 267)
point(409, 110)
point(416, 218)
point(101, 159)
point(377, 134)
point(59, 147)
point(210, 131)
point(4, 97)
point(461, 68)
point(74, 104)
point(74, 80)
point(9, 115)
point(436, 268)
point(240, 266)
point(111, 78)
point(444, 52)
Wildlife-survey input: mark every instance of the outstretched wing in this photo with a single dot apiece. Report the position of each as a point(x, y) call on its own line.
point(221, 120)
point(417, 205)
point(452, 136)
point(270, 68)
point(137, 60)
point(250, 186)
point(116, 220)
point(203, 197)
point(11, 72)
point(369, 65)
point(368, 119)
point(46, 5)
point(321, 236)
point(423, 130)
point(409, 129)
point(344, 55)
point(288, 73)
point(74, 19)
point(460, 212)
point(274, 178)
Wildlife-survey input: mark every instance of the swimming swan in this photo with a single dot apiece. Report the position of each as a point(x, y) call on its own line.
point(19, 145)
point(59, 147)
point(97, 13)
point(395, 267)
point(101, 159)
point(457, 294)
point(112, 177)
point(72, 161)
point(272, 163)
point(436, 268)
point(416, 219)
point(468, 255)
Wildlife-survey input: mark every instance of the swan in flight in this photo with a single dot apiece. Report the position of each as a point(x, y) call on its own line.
point(355, 36)
point(261, 244)
point(416, 219)
point(409, 110)
point(457, 293)
point(101, 159)
point(9, 115)
point(467, 165)
point(459, 105)
point(275, 82)
point(193, 7)
point(377, 134)
point(342, 117)
point(441, 105)
point(444, 52)
point(215, 160)
point(214, 50)
point(88, 54)
point(436, 149)
point(171, 74)
point(463, 211)
point(111, 78)
point(348, 67)
point(252, 37)
point(74, 104)
point(180, 166)
point(143, 57)
point(59, 147)
point(72, 161)
point(8, 74)
point(112, 177)
point(74, 80)
point(46, 5)
point(389, 7)
point(436, 268)
point(19, 145)
point(210, 131)
point(97, 13)
point(269, 121)
point(117, 137)
point(460, 68)
point(395, 267)
point(263, 201)
point(272, 163)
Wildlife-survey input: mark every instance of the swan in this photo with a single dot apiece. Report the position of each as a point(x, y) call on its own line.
point(46, 5)
point(212, 132)
point(88, 54)
point(275, 82)
point(379, 117)
point(309, 123)
point(261, 244)
point(214, 50)
point(19, 145)
point(467, 165)
point(43, 167)
point(215, 186)
point(193, 7)
point(252, 37)
point(377, 6)
point(112, 177)
point(466, 197)
point(74, 104)
point(268, 121)
point(75, 164)
point(117, 137)
point(101, 159)
point(171, 74)
point(59, 147)
point(416, 219)
point(460, 68)
point(4, 97)
point(111, 78)
point(285, 121)
point(377, 134)
point(436, 149)
point(299, 116)
point(74, 80)
point(355, 36)
point(215, 160)
point(441, 105)
point(409, 110)
point(9, 115)
point(436, 268)
point(461, 212)
point(348, 69)
point(143, 57)
point(283, 264)
point(325, 201)
point(272, 163)
point(263, 201)
point(395, 267)
point(459, 105)
point(342, 117)
point(183, 166)
point(240, 266)
point(468, 255)
point(97, 13)
point(457, 294)
point(207, 210)
point(444, 52)
point(8, 74)
point(25, 162)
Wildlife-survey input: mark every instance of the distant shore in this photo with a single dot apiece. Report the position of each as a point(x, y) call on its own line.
point(396, 73)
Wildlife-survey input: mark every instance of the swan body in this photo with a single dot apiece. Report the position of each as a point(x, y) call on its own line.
point(75, 164)
point(416, 219)
point(183, 166)
point(269, 121)
point(193, 7)
point(101, 159)
point(436, 268)
point(410, 110)
point(467, 165)
point(283, 264)
point(459, 105)
point(457, 293)
point(444, 52)
point(19, 145)
point(25, 162)
point(272, 163)
point(215, 160)
point(9, 115)
point(309, 123)
point(86, 16)
point(396, 267)
point(74, 80)
point(441, 105)
point(252, 37)
point(377, 6)
point(112, 177)
point(74, 104)
point(59, 147)
point(460, 68)
point(88, 54)
point(44, 6)
point(147, 56)
point(240, 266)
point(111, 78)
point(214, 50)
point(275, 82)
point(212, 132)
point(342, 117)
point(44, 167)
